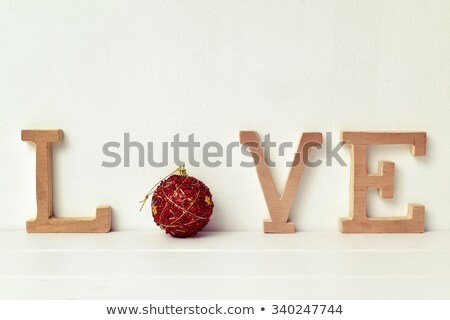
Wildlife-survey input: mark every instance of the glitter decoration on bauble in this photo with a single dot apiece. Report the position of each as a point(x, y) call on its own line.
point(181, 205)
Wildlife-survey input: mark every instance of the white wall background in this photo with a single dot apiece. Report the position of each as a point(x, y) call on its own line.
point(97, 69)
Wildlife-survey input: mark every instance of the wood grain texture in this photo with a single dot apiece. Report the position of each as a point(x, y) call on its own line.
point(279, 206)
point(45, 222)
point(360, 181)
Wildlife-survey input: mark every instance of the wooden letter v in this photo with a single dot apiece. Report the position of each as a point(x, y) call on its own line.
point(279, 207)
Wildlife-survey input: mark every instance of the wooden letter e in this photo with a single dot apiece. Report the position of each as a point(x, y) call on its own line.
point(358, 220)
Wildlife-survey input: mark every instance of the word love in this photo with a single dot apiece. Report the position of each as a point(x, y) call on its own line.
point(358, 220)
point(279, 206)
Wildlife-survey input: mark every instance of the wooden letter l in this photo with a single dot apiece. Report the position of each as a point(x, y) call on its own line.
point(45, 222)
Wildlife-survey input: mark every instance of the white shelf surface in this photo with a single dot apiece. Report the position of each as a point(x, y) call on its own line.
point(225, 265)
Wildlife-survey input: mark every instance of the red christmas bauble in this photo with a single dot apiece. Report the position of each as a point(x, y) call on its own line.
point(182, 205)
